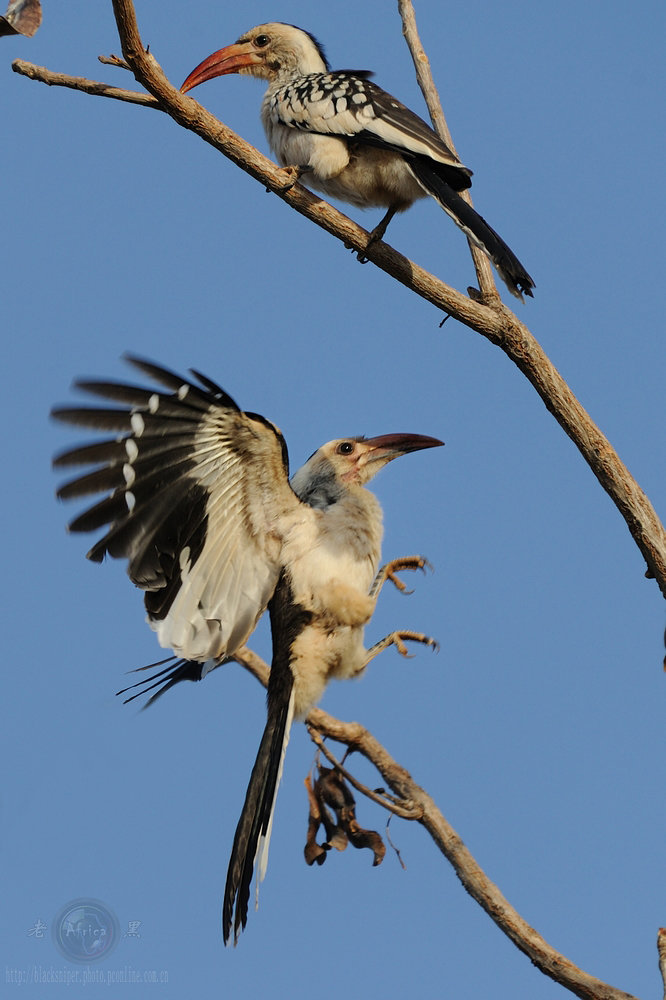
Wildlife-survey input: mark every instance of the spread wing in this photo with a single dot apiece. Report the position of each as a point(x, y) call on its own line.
point(198, 500)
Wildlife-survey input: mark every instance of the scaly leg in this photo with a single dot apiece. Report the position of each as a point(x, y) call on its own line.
point(376, 234)
point(398, 639)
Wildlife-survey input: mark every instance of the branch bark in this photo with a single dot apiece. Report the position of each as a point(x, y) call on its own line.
point(489, 317)
point(417, 804)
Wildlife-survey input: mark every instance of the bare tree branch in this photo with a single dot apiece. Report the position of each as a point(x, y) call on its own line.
point(81, 83)
point(490, 318)
point(415, 800)
point(484, 271)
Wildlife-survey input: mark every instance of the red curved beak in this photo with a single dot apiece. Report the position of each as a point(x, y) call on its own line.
point(231, 59)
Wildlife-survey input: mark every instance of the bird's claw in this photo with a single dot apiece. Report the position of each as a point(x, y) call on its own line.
point(361, 255)
point(397, 582)
point(292, 175)
point(426, 640)
point(407, 562)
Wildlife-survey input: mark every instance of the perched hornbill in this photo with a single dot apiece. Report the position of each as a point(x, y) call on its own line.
point(200, 504)
point(352, 140)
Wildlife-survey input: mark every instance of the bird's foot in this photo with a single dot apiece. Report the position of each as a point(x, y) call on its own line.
point(291, 175)
point(399, 639)
point(389, 571)
point(376, 235)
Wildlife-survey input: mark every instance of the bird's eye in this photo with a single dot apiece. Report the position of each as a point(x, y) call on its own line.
point(261, 41)
point(345, 448)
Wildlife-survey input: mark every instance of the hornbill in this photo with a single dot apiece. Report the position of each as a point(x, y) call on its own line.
point(200, 503)
point(350, 139)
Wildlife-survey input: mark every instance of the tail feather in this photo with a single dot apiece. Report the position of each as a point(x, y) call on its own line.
point(288, 620)
point(261, 856)
point(253, 832)
point(177, 670)
point(475, 227)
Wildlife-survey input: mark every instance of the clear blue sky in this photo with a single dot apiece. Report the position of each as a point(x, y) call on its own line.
point(539, 727)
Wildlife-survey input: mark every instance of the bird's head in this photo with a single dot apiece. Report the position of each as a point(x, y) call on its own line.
point(339, 465)
point(267, 51)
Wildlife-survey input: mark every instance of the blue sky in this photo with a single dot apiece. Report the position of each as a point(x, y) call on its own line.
point(539, 726)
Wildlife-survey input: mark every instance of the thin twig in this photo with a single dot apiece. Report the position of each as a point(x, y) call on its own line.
point(92, 87)
point(393, 846)
point(484, 272)
point(113, 61)
point(404, 811)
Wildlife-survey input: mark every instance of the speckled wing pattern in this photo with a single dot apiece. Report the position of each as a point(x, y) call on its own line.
point(348, 104)
point(198, 495)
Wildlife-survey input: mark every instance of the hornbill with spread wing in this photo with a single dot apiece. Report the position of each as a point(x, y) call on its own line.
point(350, 139)
point(200, 503)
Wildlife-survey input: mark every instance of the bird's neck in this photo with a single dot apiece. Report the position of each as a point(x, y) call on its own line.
point(318, 488)
point(355, 523)
point(308, 64)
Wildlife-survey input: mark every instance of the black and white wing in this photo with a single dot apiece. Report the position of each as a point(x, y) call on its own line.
point(346, 103)
point(199, 501)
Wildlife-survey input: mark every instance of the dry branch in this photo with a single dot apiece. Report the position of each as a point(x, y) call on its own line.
point(489, 317)
point(81, 83)
point(416, 801)
point(484, 271)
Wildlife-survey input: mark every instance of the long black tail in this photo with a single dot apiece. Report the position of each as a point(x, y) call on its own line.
point(254, 826)
point(288, 620)
point(509, 268)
